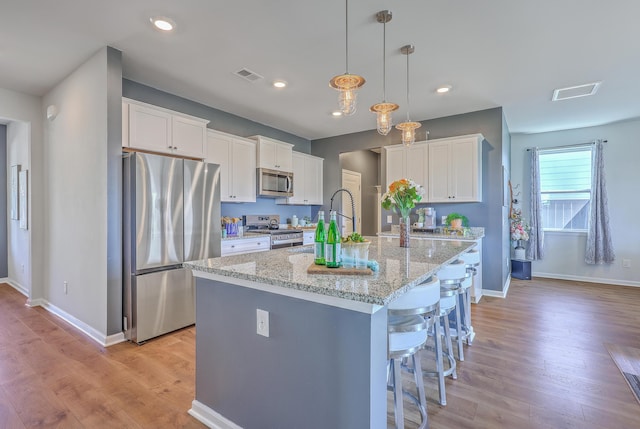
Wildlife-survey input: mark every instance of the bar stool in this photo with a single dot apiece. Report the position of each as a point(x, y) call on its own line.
point(471, 260)
point(410, 317)
point(451, 278)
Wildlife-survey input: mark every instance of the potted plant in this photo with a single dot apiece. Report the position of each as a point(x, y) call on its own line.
point(457, 221)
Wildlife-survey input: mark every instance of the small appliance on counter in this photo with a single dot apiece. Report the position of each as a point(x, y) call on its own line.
point(429, 222)
point(270, 224)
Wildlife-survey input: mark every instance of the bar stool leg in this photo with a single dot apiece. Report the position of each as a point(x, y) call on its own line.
point(447, 336)
point(439, 365)
point(468, 315)
point(417, 374)
point(459, 330)
point(397, 393)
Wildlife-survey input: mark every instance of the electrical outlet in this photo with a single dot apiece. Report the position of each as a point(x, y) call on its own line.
point(389, 219)
point(262, 322)
point(66, 287)
point(444, 220)
point(626, 263)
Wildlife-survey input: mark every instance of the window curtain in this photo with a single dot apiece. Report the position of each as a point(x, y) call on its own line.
point(599, 244)
point(535, 250)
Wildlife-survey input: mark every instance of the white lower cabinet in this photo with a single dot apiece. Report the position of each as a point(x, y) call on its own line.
point(237, 159)
point(238, 246)
point(308, 237)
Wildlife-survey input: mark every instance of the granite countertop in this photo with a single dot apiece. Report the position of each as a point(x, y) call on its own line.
point(400, 269)
point(472, 233)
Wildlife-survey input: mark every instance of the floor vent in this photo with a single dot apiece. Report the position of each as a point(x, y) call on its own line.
point(248, 75)
point(575, 91)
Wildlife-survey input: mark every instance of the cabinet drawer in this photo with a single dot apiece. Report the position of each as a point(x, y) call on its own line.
point(245, 245)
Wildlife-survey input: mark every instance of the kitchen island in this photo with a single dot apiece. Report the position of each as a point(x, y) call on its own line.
point(323, 363)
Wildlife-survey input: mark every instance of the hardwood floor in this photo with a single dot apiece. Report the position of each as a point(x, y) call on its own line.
point(538, 361)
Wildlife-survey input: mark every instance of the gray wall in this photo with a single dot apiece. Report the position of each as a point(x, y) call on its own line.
point(4, 268)
point(366, 163)
point(489, 213)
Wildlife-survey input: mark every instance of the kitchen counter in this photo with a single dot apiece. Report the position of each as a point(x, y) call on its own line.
point(473, 233)
point(262, 321)
point(244, 235)
point(400, 270)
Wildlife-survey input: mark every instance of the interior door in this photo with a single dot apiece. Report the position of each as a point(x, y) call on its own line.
point(351, 180)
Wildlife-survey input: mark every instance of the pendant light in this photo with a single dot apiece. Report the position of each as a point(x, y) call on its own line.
point(347, 83)
point(408, 127)
point(383, 110)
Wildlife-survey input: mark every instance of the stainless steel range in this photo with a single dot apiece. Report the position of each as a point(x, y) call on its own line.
point(270, 224)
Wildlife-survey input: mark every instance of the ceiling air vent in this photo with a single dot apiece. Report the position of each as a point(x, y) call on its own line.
point(575, 91)
point(248, 75)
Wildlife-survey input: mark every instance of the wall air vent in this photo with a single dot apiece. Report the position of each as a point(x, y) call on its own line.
point(248, 75)
point(575, 91)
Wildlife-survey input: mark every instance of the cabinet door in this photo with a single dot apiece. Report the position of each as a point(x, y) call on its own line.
point(300, 186)
point(314, 181)
point(188, 137)
point(395, 165)
point(284, 157)
point(149, 129)
point(125, 124)
point(416, 164)
point(267, 154)
point(438, 183)
point(464, 170)
point(243, 171)
point(219, 152)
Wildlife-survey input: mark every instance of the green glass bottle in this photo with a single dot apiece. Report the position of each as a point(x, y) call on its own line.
point(320, 240)
point(332, 248)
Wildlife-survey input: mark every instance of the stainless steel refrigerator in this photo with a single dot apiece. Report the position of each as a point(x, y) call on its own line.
point(171, 215)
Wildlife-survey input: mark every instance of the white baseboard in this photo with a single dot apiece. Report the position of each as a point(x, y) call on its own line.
point(587, 279)
point(498, 293)
point(209, 417)
point(99, 337)
point(17, 286)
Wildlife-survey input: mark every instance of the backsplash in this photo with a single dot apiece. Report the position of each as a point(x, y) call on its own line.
point(265, 206)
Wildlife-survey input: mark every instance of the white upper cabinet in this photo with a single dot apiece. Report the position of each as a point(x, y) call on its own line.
point(407, 163)
point(237, 159)
point(160, 130)
point(307, 180)
point(274, 154)
point(455, 169)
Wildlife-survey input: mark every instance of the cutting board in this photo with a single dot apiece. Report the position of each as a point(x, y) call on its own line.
point(322, 269)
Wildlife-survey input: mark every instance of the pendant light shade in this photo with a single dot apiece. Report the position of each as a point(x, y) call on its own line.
point(408, 127)
point(384, 110)
point(347, 83)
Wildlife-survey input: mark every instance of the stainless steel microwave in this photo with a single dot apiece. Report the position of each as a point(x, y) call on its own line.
point(274, 183)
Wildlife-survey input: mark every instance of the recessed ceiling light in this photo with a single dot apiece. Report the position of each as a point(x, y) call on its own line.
point(336, 113)
point(443, 89)
point(279, 83)
point(163, 23)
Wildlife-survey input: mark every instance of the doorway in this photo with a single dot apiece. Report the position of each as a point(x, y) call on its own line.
point(352, 181)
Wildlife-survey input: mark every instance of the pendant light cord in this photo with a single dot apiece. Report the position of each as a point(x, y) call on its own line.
point(408, 104)
point(346, 41)
point(384, 61)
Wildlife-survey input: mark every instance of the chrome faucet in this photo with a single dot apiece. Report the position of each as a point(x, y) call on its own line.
point(353, 207)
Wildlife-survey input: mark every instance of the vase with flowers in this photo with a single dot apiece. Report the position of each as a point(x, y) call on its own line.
point(401, 197)
point(519, 233)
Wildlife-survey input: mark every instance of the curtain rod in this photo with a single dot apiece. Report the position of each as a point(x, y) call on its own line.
point(568, 145)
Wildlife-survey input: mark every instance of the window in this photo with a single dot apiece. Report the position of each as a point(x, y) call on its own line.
point(565, 188)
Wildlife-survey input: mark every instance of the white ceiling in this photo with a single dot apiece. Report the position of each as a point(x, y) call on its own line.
point(493, 52)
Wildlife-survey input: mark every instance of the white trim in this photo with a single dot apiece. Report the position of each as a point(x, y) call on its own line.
point(615, 282)
point(95, 335)
point(333, 301)
point(565, 231)
point(497, 293)
point(209, 417)
point(17, 286)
